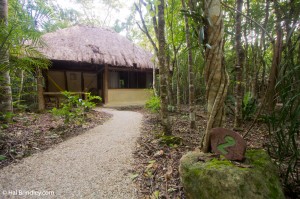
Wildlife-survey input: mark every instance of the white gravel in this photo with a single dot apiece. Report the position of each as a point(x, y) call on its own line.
point(92, 165)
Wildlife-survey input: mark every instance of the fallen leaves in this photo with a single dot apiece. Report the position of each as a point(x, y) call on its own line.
point(31, 132)
point(157, 161)
point(158, 153)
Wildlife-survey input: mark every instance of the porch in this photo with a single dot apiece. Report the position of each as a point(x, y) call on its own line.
point(117, 86)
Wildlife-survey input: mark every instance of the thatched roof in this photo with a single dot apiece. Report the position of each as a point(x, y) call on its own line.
point(94, 45)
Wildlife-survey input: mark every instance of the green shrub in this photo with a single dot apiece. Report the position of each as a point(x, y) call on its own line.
point(153, 104)
point(171, 141)
point(248, 106)
point(284, 126)
point(74, 109)
point(7, 117)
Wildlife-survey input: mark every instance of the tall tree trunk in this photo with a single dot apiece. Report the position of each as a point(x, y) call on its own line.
point(177, 70)
point(277, 53)
point(216, 77)
point(20, 87)
point(170, 81)
point(154, 80)
point(190, 72)
point(254, 68)
point(178, 87)
point(163, 70)
point(5, 87)
point(170, 88)
point(5, 90)
point(263, 45)
point(40, 90)
point(239, 66)
point(247, 26)
point(298, 63)
point(158, 22)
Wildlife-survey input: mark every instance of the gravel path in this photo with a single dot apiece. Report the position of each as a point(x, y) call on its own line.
point(92, 165)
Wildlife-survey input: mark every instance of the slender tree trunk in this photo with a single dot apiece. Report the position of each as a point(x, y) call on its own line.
point(247, 26)
point(298, 62)
point(170, 82)
point(21, 87)
point(277, 53)
point(40, 90)
point(177, 70)
point(178, 87)
point(239, 66)
point(255, 68)
point(154, 80)
point(163, 70)
point(5, 90)
point(256, 85)
point(159, 30)
point(271, 93)
point(263, 45)
point(190, 72)
point(170, 89)
point(5, 87)
point(255, 72)
point(216, 77)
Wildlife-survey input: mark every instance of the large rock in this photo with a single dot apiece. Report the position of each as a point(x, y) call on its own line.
point(206, 177)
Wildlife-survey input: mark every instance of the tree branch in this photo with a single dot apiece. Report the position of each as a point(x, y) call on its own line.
point(140, 27)
point(145, 29)
point(154, 20)
point(261, 27)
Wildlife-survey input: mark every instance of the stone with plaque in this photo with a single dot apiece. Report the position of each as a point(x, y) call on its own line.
point(228, 143)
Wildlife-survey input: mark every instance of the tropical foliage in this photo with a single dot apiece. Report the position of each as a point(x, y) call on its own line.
point(74, 109)
point(258, 44)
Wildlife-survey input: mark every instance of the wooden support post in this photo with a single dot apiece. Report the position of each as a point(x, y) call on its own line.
point(40, 90)
point(128, 79)
point(66, 81)
point(82, 86)
point(105, 83)
point(45, 75)
point(97, 79)
point(137, 79)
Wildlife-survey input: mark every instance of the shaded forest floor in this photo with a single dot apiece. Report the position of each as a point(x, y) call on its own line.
point(31, 132)
point(157, 157)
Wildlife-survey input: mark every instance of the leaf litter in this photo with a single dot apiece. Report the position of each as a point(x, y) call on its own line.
point(33, 132)
point(156, 164)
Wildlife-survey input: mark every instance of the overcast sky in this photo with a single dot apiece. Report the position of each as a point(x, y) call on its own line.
point(100, 11)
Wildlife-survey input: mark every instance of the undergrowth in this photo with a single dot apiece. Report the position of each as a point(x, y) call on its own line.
point(74, 109)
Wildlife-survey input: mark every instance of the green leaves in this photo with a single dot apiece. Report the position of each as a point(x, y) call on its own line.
point(20, 38)
point(171, 141)
point(155, 195)
point(73, 109)
point(2, 157)
point(133, 176)
point(153, 104)
point(150, 10)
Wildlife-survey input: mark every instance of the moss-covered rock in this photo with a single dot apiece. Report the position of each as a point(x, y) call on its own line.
point(205, 177)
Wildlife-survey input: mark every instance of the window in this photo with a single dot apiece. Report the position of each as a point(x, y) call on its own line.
point(129, 79)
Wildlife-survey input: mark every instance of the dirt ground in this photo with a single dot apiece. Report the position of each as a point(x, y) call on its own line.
point(31, 132)
point(155, 171)
point(157, 163)
point(95, 164)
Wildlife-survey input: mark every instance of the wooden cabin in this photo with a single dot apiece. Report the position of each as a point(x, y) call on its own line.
point(100, 61)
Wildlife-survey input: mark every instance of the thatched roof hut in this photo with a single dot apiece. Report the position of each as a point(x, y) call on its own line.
point(96, 46)
point(99, 61)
